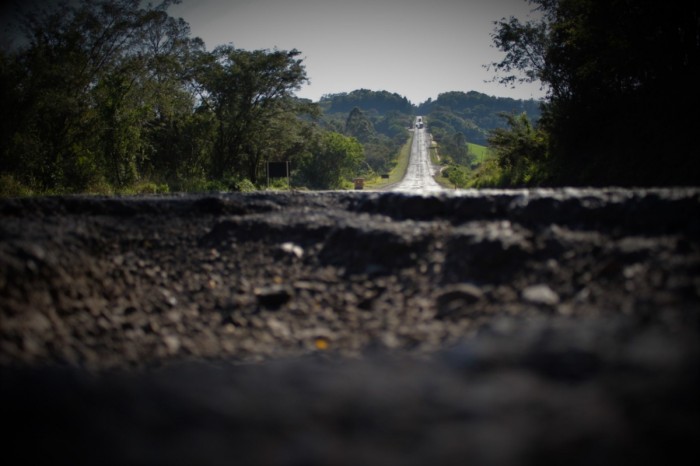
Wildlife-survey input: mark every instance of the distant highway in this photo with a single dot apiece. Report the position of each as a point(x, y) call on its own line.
point(419, 176)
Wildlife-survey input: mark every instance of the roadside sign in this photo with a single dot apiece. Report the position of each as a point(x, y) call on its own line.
point(277, 169)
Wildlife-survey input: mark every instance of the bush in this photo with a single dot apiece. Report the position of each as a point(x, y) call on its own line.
point(520, 151)
point(458, 175)
point(245, 186)
point(10, 187)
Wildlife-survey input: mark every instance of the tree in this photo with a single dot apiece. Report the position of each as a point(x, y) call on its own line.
point(455, 146)
point(525, 46)
point(247, 91)
point(520, 149)
point(90, 87)
point(358, 126)
point(112, 93)
point(179, 137)
point(381, 102)
point(70, 48)
point(334, 159)
point(622, 77)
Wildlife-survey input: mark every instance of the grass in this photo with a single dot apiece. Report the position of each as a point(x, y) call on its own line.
point(481, 153)
point(483, 174)
point(397, 173)
point(434, 154)
point(435, 160)
point(444, 182)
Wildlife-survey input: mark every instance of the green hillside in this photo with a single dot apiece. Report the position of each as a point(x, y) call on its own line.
point(473, 114)
point(459, 122)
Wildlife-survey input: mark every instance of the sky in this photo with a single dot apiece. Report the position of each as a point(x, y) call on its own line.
point(416, 48)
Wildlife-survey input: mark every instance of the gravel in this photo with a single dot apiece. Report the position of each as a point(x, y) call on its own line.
point(485, 327)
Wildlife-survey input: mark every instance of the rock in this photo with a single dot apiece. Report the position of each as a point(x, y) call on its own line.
point(541, 295)
point(173, 343)
point(292, 249)
point(455, 299)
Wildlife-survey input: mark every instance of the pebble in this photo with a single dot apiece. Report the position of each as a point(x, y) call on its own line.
point(172, 343)
point(540, 294)
point(293, 249)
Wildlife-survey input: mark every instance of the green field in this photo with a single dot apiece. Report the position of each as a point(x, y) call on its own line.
point(481, 153)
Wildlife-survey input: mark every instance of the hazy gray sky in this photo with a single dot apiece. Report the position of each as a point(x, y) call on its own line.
point(415, 48)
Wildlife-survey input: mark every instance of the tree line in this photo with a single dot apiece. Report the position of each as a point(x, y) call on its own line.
point(473, 114)
point(102, 96)
point(379, 120)
point(622, 80)
point(108, 95)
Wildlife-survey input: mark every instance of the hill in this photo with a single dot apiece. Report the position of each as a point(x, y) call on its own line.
point(472, 113)
point(380, 119)
point(381, 102)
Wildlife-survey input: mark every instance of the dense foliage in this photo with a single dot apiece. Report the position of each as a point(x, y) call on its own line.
point(382, 102)
point(622, 77)
point(458, 118)
point(520, 151)
point(378, 119)
point(95, 94)
point(472, 113)
point(112, 95)
point(334, 159)
point(104, 96)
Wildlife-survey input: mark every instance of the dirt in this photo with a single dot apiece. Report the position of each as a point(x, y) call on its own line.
point(490, 327)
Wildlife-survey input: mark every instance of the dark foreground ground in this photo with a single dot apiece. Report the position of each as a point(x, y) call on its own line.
point(491, 328)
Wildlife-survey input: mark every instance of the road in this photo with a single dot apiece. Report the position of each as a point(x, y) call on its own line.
point(419, 176)
point(528, 327)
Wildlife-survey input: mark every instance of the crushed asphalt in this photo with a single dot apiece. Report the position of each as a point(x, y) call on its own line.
point(480, 327)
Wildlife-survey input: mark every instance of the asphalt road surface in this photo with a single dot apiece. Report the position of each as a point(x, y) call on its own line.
point(419, 175)
point(494, 328)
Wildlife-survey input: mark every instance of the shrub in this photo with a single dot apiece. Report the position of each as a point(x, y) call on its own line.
point(11, 187)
